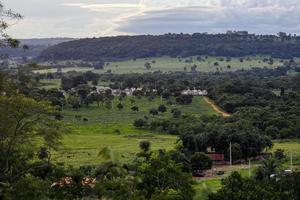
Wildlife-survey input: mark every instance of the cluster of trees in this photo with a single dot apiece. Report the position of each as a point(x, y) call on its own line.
point(202, 134)
point(268, 98)
point(132, 47)
point(270, 103)
point(71, 81)
point(269, 182)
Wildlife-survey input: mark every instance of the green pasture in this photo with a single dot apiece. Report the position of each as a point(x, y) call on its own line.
point(291, 147)
point(64, 70)
point(204, 187)
point(168, 64)
point(103, 115)
point(82, 145)
point(113, 128)
point(50, 83)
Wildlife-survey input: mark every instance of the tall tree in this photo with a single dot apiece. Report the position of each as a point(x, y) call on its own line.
point(23, 122)
point(7, 15)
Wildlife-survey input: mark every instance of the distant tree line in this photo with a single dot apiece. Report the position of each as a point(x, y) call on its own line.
point(174, 45)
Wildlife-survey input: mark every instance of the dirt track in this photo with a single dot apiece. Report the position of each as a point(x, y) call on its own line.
point(216, 108)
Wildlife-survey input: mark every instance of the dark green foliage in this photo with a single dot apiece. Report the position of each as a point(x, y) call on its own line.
point(200, 161)
point(236, 188)
point(139, 123)
point(147, 65)
point(269, 166)
point(162, 108)
point(28, 188)
point(153, 111)
point(184, 99)
point(151, 176)
point(145, 146)
point(120, 106)
point(279, 154)
point(176, 113)
point(132, 47)
point(135, 108)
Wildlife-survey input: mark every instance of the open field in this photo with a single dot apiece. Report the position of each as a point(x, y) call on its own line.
point(113, 128)
point(168, 64)
point(289, 146)
point(104, 115)
point(64, 70)
point(81, 147)
point(50, 83)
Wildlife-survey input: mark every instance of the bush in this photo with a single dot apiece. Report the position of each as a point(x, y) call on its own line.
point(139, 123)
point(145, 146)
point(162, 108)
point(200, 161)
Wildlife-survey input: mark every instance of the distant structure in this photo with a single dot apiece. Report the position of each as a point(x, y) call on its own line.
point(131, 91)
point(195, 92)
point(216, 157)
point(117, 92)
point(282, 34)
point(239, 33)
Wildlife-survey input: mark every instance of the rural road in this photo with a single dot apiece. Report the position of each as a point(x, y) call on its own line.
point(216, 108)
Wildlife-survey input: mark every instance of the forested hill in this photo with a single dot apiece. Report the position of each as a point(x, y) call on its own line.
point(36, 46)
point(130, 47)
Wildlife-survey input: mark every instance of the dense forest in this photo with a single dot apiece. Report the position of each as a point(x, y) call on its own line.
point(132, 47)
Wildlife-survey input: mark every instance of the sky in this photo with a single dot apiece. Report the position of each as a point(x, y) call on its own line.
point(95, 18)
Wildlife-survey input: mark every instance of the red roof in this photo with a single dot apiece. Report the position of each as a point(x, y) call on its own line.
point(216, 156)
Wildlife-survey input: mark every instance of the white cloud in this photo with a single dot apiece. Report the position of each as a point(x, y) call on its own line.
point(83, 18)
point(104, 7)
point(268, 16)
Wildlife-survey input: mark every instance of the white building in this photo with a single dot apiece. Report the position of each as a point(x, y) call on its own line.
point(195, 92)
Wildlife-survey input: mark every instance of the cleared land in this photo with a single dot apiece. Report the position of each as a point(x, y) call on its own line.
point(168, 64)
point(50, 83)
point(113, 128)
point(216, 107)
point(64, 70)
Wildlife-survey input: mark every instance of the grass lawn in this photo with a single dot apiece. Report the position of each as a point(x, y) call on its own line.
point(289, 146)
point(104, 116)
point(168, 64)
point(50, 83)
point(81, 147)
point(64, 70)
point(205, 187)
point(113, 128)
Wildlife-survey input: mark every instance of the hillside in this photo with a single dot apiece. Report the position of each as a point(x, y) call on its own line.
point(36, 46)
point(131, 47)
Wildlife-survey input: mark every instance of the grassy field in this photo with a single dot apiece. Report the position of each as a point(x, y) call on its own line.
point(81, 147)
point(50, 83)
point(289, 146)
point(113, 128)
point(168, 64)
point(64, 70)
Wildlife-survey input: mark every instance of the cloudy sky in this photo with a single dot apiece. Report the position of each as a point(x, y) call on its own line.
point(90, 18)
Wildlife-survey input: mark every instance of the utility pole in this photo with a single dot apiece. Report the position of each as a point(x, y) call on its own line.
point(230, 154)
point(249, 167)
point(291, 157)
